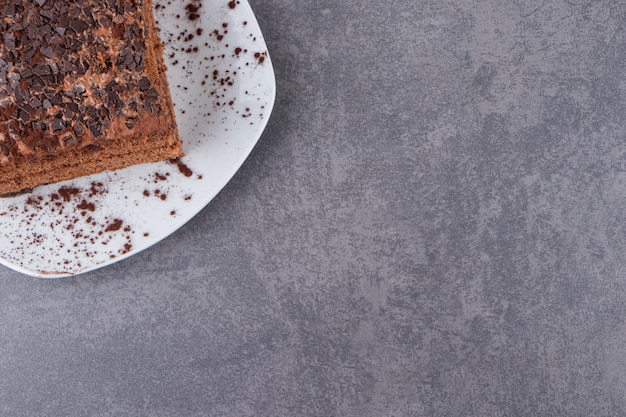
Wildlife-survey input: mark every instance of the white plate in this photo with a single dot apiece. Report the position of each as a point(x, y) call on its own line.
point(223, 88)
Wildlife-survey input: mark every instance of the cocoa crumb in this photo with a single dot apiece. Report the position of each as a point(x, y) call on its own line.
point(184, 169)
point(114, 226)
point(84, 205)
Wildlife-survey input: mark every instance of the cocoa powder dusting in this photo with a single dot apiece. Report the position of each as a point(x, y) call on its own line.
point(74, 212)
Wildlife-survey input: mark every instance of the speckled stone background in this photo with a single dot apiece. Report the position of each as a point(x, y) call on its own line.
point(433, 224)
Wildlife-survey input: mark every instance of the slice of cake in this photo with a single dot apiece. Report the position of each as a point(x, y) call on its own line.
point(82, 90)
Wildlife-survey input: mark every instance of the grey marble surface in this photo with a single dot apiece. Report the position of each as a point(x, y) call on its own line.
point(433, 224)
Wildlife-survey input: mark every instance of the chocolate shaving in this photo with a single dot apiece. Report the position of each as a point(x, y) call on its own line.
point(47, 45)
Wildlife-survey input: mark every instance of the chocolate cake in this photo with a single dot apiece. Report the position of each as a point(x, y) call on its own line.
point(82, 90)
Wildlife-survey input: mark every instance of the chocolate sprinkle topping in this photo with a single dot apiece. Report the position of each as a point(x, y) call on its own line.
point(68, 68)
